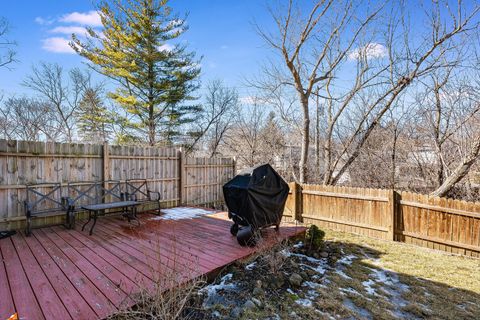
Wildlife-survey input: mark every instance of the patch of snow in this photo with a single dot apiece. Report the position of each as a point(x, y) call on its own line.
point(321, 264)
point(343, 274)
point(285, 253)
point(342, 263)
point(250, 266)
point(180, 213)
point(388, 278)
point(319, 269)
point(309, 259)
point(298, 245)
point(361, 311)
point(304, 303)
point(324, 314)
point(368, 287)
point(312, 294)
point(347, 260)
point(311, 285)
point(350, 290)
point(290, 291)
point(212, 290)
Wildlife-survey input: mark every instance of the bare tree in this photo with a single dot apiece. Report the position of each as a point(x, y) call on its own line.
point(27, 119)
point(255, 137)
point(216, 117)
point(383, 160)
point(462, 168)
point(315, 49)
point(304, 45)
point(7, 52)
point(62, 93)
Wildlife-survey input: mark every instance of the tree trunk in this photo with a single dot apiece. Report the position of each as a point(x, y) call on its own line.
point(305, 140)
point(151, 123)
point(460, 171)
point(317, 138)
point(394, 158)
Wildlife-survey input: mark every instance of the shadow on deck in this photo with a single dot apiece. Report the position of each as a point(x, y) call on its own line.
point(67, 274)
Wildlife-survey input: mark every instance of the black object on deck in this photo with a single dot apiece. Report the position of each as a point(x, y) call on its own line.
point(6, 234)
point(256, 198)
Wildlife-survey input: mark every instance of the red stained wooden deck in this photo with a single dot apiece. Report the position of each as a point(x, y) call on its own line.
point(67, 274)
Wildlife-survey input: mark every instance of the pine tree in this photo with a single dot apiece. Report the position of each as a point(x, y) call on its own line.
point(93, 119)
point(156, 80)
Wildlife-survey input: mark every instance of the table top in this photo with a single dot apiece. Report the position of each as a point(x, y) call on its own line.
point(110, 205)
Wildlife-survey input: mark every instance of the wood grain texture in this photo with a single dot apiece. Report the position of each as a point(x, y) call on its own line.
point(67, 274)
point(436, 223)
point(194, 181)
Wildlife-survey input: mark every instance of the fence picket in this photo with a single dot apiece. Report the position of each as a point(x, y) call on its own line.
point(24, 163)
point(436, 223)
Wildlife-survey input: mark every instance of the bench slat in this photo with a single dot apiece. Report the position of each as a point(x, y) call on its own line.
point(111, 205)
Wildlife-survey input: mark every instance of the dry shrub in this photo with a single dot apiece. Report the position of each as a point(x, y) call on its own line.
point(272, 258)
point(173, 291)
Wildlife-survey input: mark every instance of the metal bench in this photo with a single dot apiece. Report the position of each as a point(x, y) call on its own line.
point(138, 190)
point(44, 200)
point(98, 198)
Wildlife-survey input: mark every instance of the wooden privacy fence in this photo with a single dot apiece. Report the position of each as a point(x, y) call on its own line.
point(432, 222)
point(179, 179)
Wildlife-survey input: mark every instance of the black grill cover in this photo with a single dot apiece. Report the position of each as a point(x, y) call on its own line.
point(257, 196)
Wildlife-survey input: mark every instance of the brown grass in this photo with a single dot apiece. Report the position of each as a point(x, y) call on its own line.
point(440, 285)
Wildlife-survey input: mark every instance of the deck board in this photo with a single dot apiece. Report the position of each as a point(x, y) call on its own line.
point(97, 300)
point(71, 298)
point(51, 305)
point(22, 293)
point(71, 275)
point(100, 280)
point(157, 248)
point(119, 279)
point(6, 300)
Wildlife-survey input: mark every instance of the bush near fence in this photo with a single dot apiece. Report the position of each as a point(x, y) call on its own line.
point(179, 179)
point(432, 222)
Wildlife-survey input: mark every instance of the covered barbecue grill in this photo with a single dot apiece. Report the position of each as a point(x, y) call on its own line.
point(255, 199)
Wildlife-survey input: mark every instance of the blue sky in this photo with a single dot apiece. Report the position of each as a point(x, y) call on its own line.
point(220, 31)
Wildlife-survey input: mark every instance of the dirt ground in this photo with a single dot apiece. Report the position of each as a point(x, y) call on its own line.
point(349, 277)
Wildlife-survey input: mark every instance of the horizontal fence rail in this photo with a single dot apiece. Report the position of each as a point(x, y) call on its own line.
point(179, 179)
point(432, 222)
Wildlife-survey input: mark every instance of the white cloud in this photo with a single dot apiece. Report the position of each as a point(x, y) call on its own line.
point(57, 45)
point(223, 47)
point(371, 50)
point(44, 22)
point(69, 30)
point(90, 18)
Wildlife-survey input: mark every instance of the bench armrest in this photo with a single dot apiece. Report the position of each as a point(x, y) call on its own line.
point(68, 204)
point(158, 196)
point(28, 208)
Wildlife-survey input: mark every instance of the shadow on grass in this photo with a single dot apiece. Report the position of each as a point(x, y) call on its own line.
point(386, 281)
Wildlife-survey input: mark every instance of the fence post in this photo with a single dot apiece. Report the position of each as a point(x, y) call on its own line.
point(297, 202)
point(392, 214)
point(181, 173)
point(105, 163)
point(105, 169)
